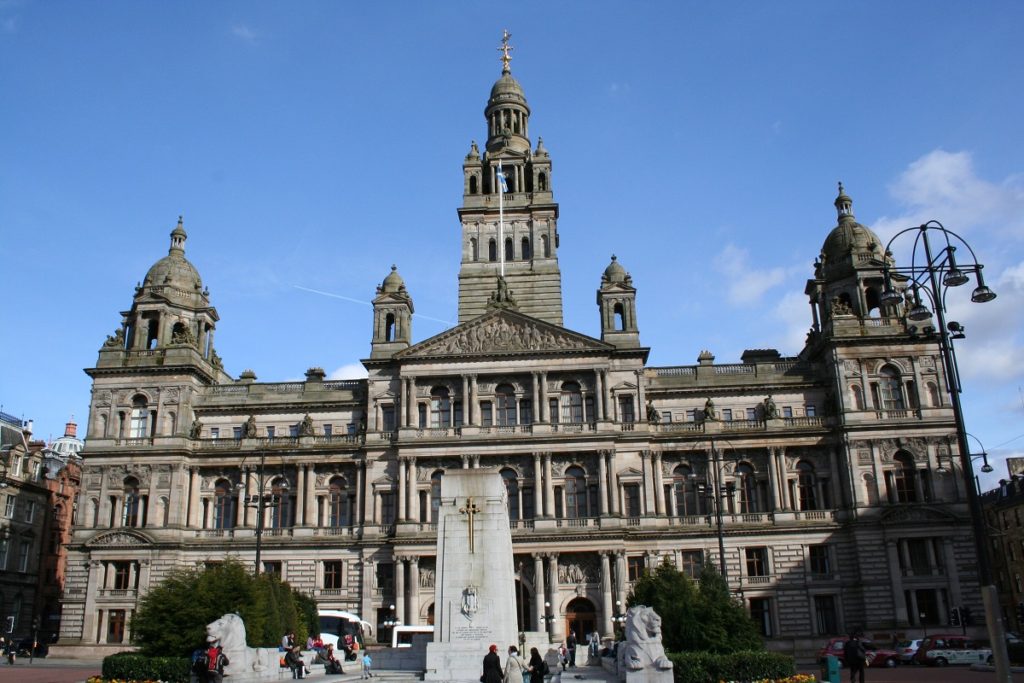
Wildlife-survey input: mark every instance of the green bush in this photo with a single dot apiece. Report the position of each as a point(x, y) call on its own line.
point(128, 666)
point(709, 667)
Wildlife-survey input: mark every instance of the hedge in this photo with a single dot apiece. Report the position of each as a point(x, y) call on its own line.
point(128, 666)
point(708, 667)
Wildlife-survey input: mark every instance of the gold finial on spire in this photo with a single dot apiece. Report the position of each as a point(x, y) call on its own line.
point(504, 50)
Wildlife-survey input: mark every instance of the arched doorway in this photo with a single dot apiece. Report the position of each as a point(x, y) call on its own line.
point(580, 618)
point(430, 615)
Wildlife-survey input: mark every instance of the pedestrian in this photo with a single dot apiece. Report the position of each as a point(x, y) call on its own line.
point(367, 663)
point(516, 670)
point(563, 656)
point(12, 651)
point(855, 657)
point(287, 642)
point(571, 646)
point(210, 665)
point(331, 664)
point(538, 667)
point(293, 659)
point(492, 666)
point(594, 640)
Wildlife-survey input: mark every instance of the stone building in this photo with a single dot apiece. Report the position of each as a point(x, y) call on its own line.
point(1004, 517)
point(819, 475)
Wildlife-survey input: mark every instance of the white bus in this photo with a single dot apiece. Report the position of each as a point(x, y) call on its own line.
point(401, 636)
point(335, 625)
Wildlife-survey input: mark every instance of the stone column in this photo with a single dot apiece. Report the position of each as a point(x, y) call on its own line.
point(103, 514)
point(641, 396)
point(240, 499)
point(599, 394)
point(538, 488)
point(94, 582)
point(366, 589)
point(403, 407)
point(833, 479)
point(402, 515)
point(474, 400)
point(411, 508)
point(412, 613)
point(620, 576)
point(193, 498)
point(400, 588)
point(253, 489)
point(659, 484)
point(952, 574)
point(545, 417)
point(467, 404)
point(309, 496)
point(773, 481)
point(360, 495)
point(549, 488)
point(207, 505)
point(896, 581)
point(535, 381)
point(613, 483)
point(606, 384)
point(648, 483)
point(602, 482)
point(556, 626)
point(608, 604)
point(538, 591)
point(151, 503)
point(414, 420)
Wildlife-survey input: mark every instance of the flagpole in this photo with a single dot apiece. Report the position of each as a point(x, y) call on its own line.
point(501, 217)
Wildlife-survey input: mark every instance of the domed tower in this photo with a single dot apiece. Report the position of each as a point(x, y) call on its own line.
point(392, 317)
point(848, 281)
point(515, 230)
point(616, 300)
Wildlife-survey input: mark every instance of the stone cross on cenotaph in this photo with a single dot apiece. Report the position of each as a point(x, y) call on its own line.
point(474, 588)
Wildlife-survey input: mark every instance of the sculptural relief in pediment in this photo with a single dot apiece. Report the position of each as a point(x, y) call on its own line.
point(502, 333)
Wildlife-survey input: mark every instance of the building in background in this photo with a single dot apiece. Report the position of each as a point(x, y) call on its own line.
point(826, 484)
point(1004, 521)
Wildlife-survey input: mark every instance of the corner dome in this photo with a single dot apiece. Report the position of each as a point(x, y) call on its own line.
point(174, 270)
point(849, 236)
point(506, 89)
point(615, 272)
point(393, 282)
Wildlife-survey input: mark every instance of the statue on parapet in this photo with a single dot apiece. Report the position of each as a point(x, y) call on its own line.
point(115, 340)
point(709, 410)
point(306, 426)
point(249, 430)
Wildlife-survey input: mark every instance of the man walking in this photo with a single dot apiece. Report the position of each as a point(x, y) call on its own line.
point(570, 643)
point(855, 657)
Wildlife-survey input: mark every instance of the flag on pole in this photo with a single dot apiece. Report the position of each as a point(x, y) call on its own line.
point(501, 179)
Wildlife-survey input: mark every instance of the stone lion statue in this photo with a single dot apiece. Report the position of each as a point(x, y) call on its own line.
point(644, 650)
point(229, 632)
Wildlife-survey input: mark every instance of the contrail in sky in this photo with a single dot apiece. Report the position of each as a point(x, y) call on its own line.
point(366, 303)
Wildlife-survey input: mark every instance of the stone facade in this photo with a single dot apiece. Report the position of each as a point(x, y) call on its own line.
point(1004, 517)
point(821, 470)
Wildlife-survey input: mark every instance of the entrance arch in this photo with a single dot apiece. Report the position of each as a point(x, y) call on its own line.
point(580, 618)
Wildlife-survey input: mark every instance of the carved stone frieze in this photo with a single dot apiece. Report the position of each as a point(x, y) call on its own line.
point(117, 538)
point(578, 568)
point(116, 474)
point(864, 457)
point(170, 396)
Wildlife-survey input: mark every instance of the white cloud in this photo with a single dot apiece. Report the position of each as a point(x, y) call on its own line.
point(994, 348)
point(747, 285)
point(349, 371)
point(245, 33)
point(792, 315)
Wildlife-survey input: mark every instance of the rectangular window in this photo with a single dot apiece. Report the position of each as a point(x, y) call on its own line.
point(810, 411)
point(632, 495)
point(635, 567)
point(528, 505)
point(293, 430)
point(825, 615)
point(214, 432)
point(272, 567)
point(270, 432)
point(385, 576)
point(4, 544)
point(115, 626)
point(351, 429)
point(525, 411)
point(787, 411)
point(691, 415)
point(388, 418)
point(666, 417)
point(236, 432)
point(727, 414)
point(588, 408)
point(9, 506)
point(486, 414)
point(328, 430)
point(761, 613)
point(122, 575)
point(457, 413)
point(421, 415)
point(626, 409)
point(693, 563)
point(559, 512)
point(757, 561)
point(553, 410)
point(751, 413)
point(333, 571)
point(819, 560)
point(23, 550)
point(387, 508)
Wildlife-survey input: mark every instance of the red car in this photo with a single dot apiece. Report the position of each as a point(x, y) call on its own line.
point(877, 656)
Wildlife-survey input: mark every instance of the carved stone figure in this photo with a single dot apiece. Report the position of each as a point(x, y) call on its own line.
point(840, 307)
point(771, 412)
point(229, 633)
point(215, 360)
point(426, 578)
point(197, 428)
point(502, 296)
point(709, 410)
point(644, 657)
point(470, 601)
point(500, 335)
point(653, 416)
point(183, 335)
point(249, 430)
point(306, 426)
point(115, 340)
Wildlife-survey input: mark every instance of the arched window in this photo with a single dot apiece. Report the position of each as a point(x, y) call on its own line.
point(545, 247)
point(510, 252)
point(575, 493)
point(891, 389)
point(172, 423)
point(542, 182)
point(901, 480)
point(472, 184)
point(746, 488)
point(805, 486)
point(572, 403)
point(505, 404)
point(389, 327)
point(153, 329)
point(94, 512)
point(338, 503)
point(492, 250)
point(872, 299)
point(435, 495)
point(440, 408)
point(281, 504)
point(223, 505)
point(525, 249)
point(139, 425)
point(474, 252)
point(508, 476)
point(857, 394)
point(684, 491)
point(131, 508)
point(619, 317)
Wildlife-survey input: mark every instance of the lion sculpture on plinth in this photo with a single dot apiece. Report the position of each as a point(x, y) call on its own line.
point(644, 651)
point(229, 633)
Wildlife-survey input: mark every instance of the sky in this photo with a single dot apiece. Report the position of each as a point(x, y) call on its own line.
point(310, 145)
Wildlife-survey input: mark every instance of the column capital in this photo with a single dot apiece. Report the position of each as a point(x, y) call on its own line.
point(415, 559)
point(607, 453)
point(620, 553)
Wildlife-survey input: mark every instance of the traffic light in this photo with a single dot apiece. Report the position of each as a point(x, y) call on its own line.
point(1020, 613)
point(954, 616)
point(965, 616)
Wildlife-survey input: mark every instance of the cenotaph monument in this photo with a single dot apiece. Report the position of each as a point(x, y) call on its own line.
point(474, 588)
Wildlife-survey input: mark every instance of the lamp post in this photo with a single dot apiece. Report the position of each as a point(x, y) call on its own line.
point(716, 492)
point(522, 622)
point(619, 620)
point(925, 277)
point(549, 618)
point(261, 501)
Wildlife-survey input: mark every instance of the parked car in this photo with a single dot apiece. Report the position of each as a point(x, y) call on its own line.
point(877, 656)
point(907, 649)
point(942, 649)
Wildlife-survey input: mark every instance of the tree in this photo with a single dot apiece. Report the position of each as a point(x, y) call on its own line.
point(701, 617)
point(172, 617)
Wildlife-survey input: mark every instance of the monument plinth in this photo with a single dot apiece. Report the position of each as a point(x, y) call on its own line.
point(474, 589)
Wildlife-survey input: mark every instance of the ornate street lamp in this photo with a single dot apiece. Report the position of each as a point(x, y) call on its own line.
point(934, 277)
point(261, 501)
point(716, 493)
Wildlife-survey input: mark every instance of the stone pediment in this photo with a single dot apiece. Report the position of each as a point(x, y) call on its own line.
point(917, 515)
point(503, 332)
point(119, 538)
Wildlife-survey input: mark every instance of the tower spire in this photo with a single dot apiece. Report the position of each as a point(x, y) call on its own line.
point(504, 50)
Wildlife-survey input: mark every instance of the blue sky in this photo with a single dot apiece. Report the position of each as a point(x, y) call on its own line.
point(311, 145)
